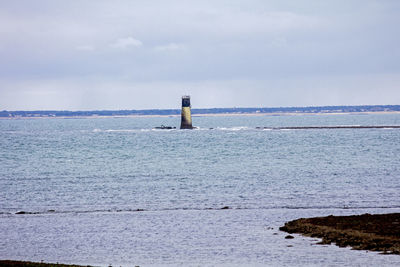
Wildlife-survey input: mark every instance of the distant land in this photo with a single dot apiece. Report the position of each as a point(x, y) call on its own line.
point(171, 112)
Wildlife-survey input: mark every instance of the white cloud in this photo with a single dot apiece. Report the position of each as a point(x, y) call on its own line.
point(170, 47)
point(204, 45)
point(121, 93)
point(123, 43)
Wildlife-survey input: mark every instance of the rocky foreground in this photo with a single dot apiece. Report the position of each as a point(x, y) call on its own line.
point(380, 232)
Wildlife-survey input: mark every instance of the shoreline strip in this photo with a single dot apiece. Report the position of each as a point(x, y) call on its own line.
point(380, 232)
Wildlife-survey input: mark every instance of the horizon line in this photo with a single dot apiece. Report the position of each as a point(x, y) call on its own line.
point(165, 109)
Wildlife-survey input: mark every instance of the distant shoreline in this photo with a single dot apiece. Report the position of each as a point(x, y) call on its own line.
point(203, 112)
point(293, 114)
point(202, 115)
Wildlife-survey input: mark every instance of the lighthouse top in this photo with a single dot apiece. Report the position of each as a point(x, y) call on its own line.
point(186, 101)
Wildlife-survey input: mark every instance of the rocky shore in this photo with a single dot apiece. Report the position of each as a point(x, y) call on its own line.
point(9, 263)
point(380, 232)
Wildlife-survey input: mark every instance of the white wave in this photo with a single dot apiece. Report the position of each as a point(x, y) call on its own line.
point(119, 130)
point(236, 128)
point(158, 130)
point(202, 129)
point(282, 129)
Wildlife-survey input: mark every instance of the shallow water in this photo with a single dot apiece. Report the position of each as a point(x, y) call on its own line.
point(84, 180)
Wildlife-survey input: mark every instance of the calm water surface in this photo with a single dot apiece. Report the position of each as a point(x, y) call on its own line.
point(114, 191)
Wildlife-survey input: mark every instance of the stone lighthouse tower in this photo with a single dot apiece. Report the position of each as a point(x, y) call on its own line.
point(186, 115)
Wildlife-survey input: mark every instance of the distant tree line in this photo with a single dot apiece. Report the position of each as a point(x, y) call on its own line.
point(322, 109)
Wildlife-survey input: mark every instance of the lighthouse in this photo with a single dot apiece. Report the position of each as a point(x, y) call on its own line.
point(186, 115)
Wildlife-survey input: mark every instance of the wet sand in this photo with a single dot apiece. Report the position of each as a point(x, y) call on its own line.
point(380, 232)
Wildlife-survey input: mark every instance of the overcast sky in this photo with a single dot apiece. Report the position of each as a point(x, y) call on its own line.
point(84, 55)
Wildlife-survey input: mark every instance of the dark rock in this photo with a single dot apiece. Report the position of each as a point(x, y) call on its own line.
point(284, 228)
point(289, 237)
point(379, 232)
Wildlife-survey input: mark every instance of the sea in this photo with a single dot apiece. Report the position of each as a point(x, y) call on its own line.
point(114, 191)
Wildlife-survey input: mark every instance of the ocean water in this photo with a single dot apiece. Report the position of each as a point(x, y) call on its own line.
point(114, 191)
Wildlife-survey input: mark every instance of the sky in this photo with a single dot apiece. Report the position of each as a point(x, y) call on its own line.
point(110, 55)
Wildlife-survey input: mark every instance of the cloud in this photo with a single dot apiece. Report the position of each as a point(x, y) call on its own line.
point(123, 43)
point(122, 93)
point(170, 47)
point(85, 48)
point(291, 52)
